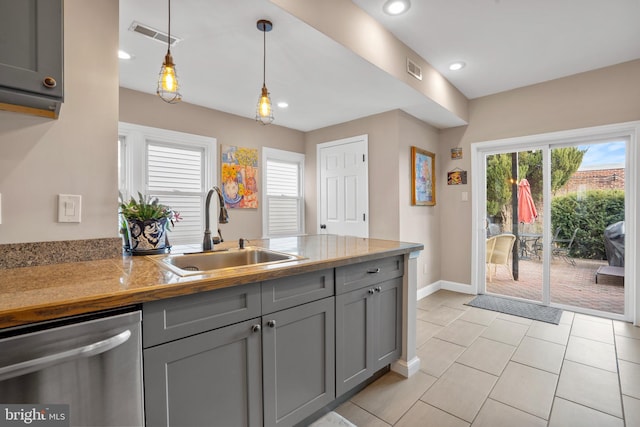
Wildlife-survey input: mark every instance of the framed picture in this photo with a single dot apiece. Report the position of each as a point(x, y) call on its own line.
point(456, 177)
point(456, 153)
point(423, 177)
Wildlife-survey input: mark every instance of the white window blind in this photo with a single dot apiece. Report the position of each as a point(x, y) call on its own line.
point(175, 177)
point(284, 196)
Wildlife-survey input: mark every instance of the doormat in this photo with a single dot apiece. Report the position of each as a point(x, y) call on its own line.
point(517, 308)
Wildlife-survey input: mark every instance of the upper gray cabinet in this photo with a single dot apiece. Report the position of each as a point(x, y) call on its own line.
point(31, 56)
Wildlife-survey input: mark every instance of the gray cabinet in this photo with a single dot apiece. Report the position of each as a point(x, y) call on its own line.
point(368, 331)
point(298, 362)
point(248, 355)
point(31, 56)
point(209, 379)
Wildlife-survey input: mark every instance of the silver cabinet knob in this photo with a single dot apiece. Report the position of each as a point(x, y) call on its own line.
point(379, 289)
point(371, 291)
point(256, 328)
point(271, 323)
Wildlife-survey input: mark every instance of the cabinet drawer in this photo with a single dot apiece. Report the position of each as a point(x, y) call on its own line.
point(286, 292)
point(175, 318)
point(367, 273)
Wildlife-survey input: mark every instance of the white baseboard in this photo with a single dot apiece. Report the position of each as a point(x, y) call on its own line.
point(406, 368)
point(443, 284)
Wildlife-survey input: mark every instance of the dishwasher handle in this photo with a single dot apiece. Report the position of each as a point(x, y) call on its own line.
point(28, 366)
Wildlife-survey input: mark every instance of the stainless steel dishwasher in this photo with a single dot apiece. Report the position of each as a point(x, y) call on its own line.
point(92, 363)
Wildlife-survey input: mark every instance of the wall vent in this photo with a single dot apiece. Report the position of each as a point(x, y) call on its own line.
point(414, 69)
point(152, 33)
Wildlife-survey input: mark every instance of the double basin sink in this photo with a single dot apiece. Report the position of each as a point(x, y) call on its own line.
point(207, 262)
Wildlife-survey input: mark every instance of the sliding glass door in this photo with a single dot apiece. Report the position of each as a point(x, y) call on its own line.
point(555, 223)
point(587, 221)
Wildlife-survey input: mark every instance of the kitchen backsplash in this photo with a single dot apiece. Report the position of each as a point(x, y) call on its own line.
point(15, 255)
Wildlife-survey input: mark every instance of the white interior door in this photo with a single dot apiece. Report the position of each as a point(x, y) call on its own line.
point(343, 194)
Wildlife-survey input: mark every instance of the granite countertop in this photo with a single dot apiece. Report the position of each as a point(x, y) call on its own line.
point(33, 294)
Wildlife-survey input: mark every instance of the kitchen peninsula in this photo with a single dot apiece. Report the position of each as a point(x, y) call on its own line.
point(355, 274)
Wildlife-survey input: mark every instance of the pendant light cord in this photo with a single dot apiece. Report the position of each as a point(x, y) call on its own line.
point(169, 30)
point(264, 54)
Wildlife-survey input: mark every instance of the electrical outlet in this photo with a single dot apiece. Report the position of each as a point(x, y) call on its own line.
point(69, 207)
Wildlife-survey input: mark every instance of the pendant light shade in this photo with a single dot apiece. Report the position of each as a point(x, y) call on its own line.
point(264, 110)
point(168, 87)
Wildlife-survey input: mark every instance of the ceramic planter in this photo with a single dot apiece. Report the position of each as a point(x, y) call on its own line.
point(147, 236)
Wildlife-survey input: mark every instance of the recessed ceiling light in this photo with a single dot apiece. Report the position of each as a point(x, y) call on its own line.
point(396, 7)
point(283, 104)
point(123, 55)
point(455, 66)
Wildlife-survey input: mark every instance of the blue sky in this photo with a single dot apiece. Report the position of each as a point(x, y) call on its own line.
point(607, 154)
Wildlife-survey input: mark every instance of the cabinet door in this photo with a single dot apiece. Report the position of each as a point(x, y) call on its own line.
point(31, 31)
point(209, 379)
point(298, 361)
point(387, 342)
point(354, 347)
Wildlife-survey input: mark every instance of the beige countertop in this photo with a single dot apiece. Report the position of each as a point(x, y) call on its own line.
point(33, 294)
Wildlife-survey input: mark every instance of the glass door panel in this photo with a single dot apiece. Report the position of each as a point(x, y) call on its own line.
point(587, 222)
point(514, 202)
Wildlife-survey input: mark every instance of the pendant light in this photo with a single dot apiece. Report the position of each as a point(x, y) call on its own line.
point(168, 88)
point(264, 111)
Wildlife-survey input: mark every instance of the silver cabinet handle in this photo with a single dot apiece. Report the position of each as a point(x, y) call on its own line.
point(40, 363)
point(373, 271)
point(256, 328)
point(271, 323)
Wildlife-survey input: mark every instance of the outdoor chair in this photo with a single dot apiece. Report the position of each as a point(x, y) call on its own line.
point(491, 242)
point(502, 248)
point(559, 250)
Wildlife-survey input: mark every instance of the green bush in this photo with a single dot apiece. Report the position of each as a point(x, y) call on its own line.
point(590, 214)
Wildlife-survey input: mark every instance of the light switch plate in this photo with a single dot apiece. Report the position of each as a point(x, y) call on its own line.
point(69, 207)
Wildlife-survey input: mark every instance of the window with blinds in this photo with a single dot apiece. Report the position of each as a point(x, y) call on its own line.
point(175, 177)
point(176, 167)
point(284, 204)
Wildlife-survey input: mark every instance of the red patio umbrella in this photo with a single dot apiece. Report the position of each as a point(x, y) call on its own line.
point(527, 212)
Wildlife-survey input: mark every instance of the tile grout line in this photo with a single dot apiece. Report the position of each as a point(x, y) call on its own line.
point(564, 354)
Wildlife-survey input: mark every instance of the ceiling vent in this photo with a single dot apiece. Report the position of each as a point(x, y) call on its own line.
point(414, 69)
point(152, 33)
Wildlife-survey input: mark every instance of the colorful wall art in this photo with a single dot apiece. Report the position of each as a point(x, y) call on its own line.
point(240, 177)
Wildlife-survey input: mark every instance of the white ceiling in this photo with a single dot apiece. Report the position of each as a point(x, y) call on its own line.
point(505, 44)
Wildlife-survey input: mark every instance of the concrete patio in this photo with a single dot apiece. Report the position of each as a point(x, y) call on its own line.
point(570, 285)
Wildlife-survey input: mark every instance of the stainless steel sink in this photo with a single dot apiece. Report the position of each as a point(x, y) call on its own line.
point(204, 262)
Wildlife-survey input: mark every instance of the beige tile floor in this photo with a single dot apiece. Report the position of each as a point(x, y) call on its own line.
point(482, 368)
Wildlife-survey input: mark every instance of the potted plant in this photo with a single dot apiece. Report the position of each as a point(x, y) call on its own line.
point(144, 224)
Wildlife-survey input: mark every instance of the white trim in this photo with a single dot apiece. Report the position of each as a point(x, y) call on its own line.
point(286, 156)
point(319, 147)
point(461, 288)
point(630, 130)
point(135, 146)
